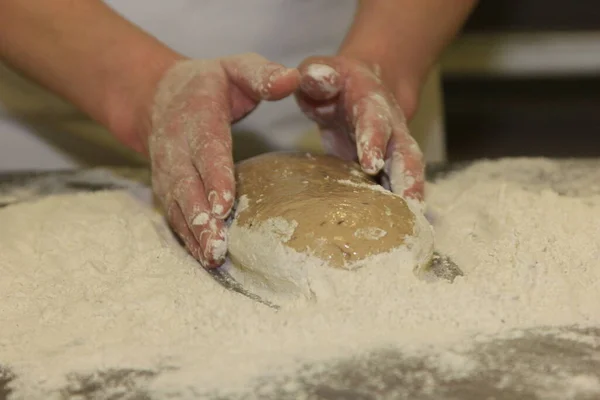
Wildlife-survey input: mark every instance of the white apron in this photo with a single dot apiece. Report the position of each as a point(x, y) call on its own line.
point(40, 131)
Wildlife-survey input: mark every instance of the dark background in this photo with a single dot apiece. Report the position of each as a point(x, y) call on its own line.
point(554, 116)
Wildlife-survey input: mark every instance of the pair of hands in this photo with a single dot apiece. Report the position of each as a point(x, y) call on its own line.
point(190, 142)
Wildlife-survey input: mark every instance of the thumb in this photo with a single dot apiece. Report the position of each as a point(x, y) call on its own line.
point(321, 78)
point(260, 78)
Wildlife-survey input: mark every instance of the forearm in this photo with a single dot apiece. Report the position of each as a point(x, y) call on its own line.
point(85, 52)
point(404, 38)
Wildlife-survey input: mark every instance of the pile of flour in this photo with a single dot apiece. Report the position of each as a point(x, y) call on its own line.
point(95, 282)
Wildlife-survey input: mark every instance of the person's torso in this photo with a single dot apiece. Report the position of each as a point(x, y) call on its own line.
point(38, 130)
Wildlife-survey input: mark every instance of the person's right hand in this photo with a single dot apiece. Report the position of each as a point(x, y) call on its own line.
point(190, 142)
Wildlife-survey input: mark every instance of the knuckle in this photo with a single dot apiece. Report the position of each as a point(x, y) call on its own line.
point(213, 104)
point(181, 186)
point(198, 144)
point(214, 161)
point(222, 149)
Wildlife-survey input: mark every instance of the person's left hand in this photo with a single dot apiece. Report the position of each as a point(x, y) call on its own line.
point(360, 119)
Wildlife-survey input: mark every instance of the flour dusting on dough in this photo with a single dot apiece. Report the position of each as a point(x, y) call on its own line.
point(289, 278)
point(377, 188)
point(370, 233)
point(276, 272)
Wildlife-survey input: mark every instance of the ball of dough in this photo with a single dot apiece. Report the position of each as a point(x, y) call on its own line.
point(295, 209)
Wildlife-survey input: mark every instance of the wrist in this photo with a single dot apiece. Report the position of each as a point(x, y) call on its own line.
point(129, 98)
point(405, 38)
point(376, 40)
point(88, 54)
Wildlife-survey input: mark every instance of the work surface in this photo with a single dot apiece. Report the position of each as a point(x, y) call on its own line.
point(524, 364)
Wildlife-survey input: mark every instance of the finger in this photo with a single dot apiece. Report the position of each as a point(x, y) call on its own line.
point(180, 227)
point(365, 103)
point(404, 165)
point(174, 214)
point(260, 78)
point(202, 123)
point(335, 137)
point(179, 187)
point(209, 140)
point(189, 195)
point(207, 197)
point(320, 78)
point(373, 131)
point(320, 85)
point(369, 110)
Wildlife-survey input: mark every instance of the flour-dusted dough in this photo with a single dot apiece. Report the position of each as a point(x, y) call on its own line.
point(302, 221)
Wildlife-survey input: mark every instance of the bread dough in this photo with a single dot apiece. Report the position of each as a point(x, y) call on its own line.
point(299, 214)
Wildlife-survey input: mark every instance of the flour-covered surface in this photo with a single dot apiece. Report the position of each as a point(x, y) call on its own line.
point(545, 363)
point(26, 186)
point(143, 322)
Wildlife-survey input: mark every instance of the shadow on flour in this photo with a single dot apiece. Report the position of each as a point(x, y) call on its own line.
point(128, 382)
point(540, 363)
point(5, 377)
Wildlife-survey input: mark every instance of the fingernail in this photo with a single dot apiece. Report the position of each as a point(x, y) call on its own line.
point(377, 162)
point(202, 250)
point(324, 82)
point(372, 162)
point(217, 208)
point(207, 248)
point(219, 247)
point(402, 181)
point(203, 234)
point(321, 72)
point(216, 248)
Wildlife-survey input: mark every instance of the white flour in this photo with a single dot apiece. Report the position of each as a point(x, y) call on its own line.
point(266, 266)
point(94, 282)
point(307, 277)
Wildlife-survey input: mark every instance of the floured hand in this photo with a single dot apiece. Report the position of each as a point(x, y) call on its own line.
point(360, 119)
point(190, 141)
